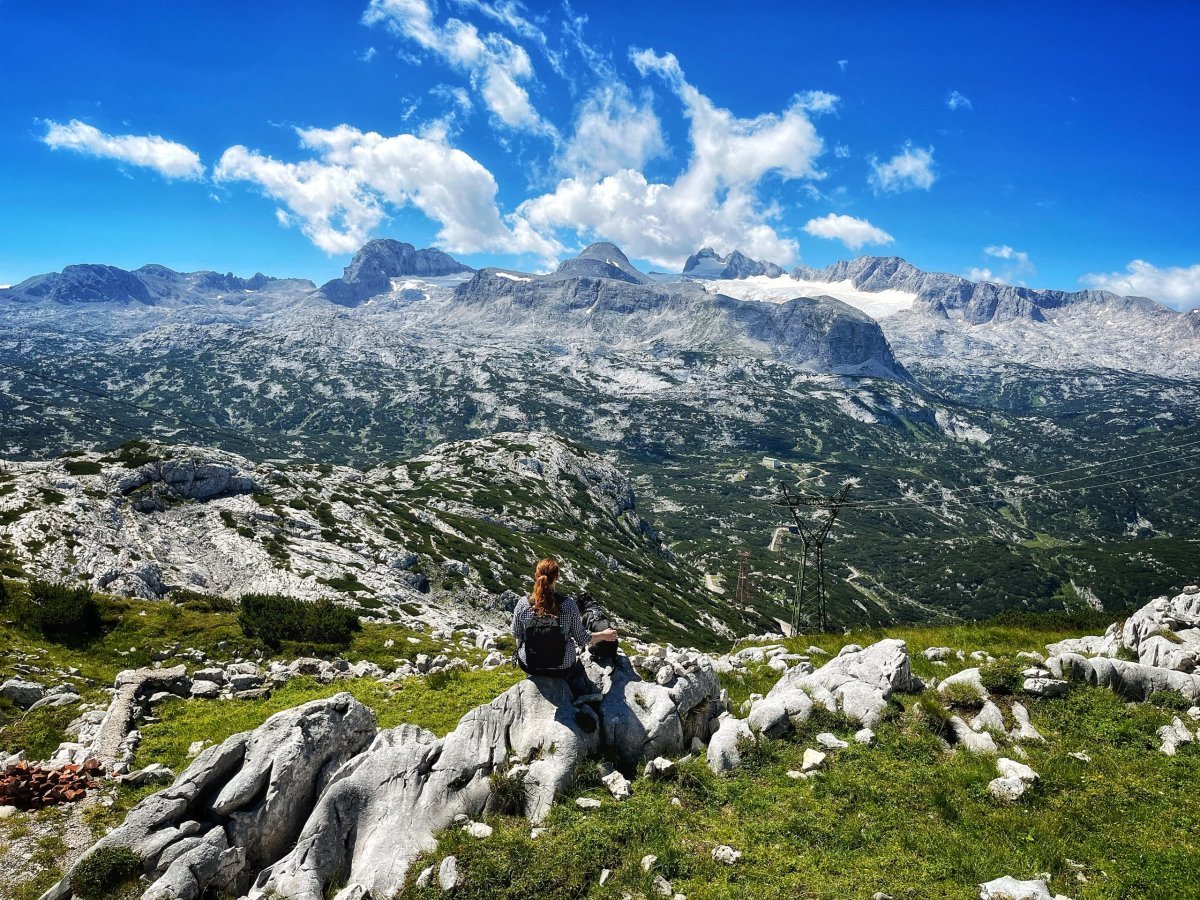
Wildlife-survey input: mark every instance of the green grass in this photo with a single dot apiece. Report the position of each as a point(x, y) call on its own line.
point(902, 816)
point(436, 705)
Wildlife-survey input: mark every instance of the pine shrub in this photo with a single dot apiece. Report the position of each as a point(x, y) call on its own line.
point(60, 612)
point(275, 619)
point(102, 875)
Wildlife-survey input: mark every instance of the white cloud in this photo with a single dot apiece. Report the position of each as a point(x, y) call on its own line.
point(841, 151)
point(714, 201)
point(339, 196)
point(612, 132)
point(368, 54)
point(1003, 251)
point(843, 64)
point(1176, 286)
point(909, 169)
point(1018, 266)
point(168, 158)
point(495, 65)
point(852, 232)
point(957, 101)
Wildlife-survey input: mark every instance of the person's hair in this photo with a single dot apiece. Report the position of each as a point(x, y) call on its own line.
point(545, 600)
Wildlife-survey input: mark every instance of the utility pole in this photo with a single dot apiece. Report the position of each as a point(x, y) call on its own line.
point(741, 594)
point(813, 530)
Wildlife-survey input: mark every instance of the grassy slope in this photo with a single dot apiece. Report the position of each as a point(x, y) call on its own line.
point(902, 816)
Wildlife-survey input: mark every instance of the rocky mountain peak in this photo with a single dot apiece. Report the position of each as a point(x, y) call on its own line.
point(601, 260)
point(707, 263)
point(379, 261)
point(84, 283)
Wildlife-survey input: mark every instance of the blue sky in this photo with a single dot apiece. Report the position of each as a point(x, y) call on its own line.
point(1052, 147)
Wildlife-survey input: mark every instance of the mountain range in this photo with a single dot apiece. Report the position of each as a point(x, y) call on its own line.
point(944, 398)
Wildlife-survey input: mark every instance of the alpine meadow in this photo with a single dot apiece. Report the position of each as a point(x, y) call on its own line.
point(684, 451)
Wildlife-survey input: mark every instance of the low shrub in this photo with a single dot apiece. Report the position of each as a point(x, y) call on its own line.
point(201, 602)
point(1170, 700)
point(102, 875)
point(959, 694)
point(275, 618)
point(1003, 676)
point(59, 611)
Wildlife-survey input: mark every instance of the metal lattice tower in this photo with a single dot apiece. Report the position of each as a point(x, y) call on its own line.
point(741, 594)
point(813, 529)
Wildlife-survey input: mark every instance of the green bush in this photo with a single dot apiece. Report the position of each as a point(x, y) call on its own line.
point(960, 694)
point(3, 593)
point(102, 875)
point(1002, 676)
point(60, 611)
point(1170, 700)
point(274, 618)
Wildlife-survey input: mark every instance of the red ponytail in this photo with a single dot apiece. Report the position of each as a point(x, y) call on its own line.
point(545, 600)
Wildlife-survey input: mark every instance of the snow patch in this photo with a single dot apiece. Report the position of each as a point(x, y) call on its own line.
point(765, 289)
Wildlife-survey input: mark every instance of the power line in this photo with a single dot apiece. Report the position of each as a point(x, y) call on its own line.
point(1047, 485)
point(1088, 487)
point(1051, 474)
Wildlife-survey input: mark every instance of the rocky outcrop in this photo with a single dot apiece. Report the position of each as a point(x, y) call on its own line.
point(316, 797)
point(384, 807)
point(858, 683)
point(241, 805)
point(189, 477)
point(111, 746)
point(1164, 635)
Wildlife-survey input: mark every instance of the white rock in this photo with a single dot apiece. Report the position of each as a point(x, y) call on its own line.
point(1009, 789)
point(723, 853)
point(425, 878)
point(1009, 888)
point(830, 741)
point(662, 887)
point(478, 829)
point(812, 760)
point(605, 874)
point(648, 862)
point(1009, 768)
point(617, 784)
point(448, 873)
point(587, 803)
point(864, 736)
point(1024, 730)
point(1081, 755)
point(989, 717)
point(7, 812)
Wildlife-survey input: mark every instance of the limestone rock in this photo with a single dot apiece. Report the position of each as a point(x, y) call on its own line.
point(1023, 730)
point(989, 717)
point(1045, 687)
point(1009, 888)
point(857, 681)
point(723, 853)
point(830, 741)
point(813, 759)
point(22, 693)
point(258, 785)
point(447, 873)
point(975, 741)
point(723, 752)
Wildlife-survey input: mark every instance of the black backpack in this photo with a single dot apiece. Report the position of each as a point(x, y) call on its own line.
point(545, 645)
point(595, 618)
